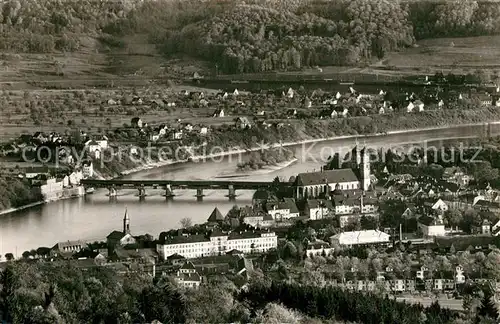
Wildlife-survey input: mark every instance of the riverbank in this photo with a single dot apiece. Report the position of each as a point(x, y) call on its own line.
point(232, 152)
point(12, 210)
point(220, 155)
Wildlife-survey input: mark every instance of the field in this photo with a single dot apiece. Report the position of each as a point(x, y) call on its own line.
point(460, 55)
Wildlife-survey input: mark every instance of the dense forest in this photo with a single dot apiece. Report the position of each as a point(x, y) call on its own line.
point(248, 36)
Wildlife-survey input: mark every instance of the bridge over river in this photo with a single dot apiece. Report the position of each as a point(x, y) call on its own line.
point(170, 185)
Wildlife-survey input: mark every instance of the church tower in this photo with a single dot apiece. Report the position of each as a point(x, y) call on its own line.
point(365, 170)
point(126, 223)
point(358, 154)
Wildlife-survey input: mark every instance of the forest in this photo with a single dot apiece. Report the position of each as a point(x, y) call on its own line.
point(248, 36)
point(60, 292)
point(15, 193)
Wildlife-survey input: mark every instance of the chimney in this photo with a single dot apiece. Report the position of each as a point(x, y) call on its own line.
point(400, 233)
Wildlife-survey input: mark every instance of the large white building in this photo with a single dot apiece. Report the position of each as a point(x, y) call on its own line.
point(196, 246)
point(360, 238)
point(314, 184)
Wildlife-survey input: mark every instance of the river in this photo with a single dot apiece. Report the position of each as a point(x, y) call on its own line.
point(93, 217)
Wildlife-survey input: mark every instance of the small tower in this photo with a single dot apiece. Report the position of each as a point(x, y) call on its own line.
point(126, 223)
point(365, 169)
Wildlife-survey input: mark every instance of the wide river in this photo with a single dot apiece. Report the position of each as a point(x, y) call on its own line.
point(93, 217)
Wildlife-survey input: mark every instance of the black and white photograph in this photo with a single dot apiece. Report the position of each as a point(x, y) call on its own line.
point(250, 161)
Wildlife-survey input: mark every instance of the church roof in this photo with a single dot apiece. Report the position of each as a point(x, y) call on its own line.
point(215, 216)
point(330, 176)
point(115, 235)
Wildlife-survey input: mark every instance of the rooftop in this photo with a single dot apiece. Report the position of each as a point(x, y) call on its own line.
point(215, 216)
point(322, 177)
point(361, 237)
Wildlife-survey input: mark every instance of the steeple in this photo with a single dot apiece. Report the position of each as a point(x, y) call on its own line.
point(126, 223)
point(365, 169)
point(358, 153)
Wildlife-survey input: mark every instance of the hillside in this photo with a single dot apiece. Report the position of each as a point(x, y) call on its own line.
point(103, 39)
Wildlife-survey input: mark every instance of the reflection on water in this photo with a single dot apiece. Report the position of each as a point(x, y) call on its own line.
point(95, 216)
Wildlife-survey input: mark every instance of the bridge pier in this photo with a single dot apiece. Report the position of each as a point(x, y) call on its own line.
point(142, 192)
point(231, 192)
point(112, 191)
point(169, 192)
point(199, 194)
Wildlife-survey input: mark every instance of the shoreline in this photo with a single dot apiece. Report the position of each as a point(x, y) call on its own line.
point(264, 170)
point(202, 158)
point(15, 209)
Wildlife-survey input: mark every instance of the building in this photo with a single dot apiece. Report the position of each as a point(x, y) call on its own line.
point(314, 184)
point(215, 218)
point(318, 248)
point(93, 148)
point(440, 206)
point(360, 238)
point(188, 277)
point(318, 208)
point(218, 113)
point(430, 226)
point(281, 210)
point(119, 239)
point(196, 246)
point(68, 248)
point(87, 169)
point(243, 123)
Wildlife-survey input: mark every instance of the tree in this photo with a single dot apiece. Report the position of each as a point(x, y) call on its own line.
point(488, 308)
point(9, 256)
point(26, 254)
point(276, 314)
point(368, 223)
point(492, 264)
point(164, 304)
point(212, 303)
point(470, 220)
point(186, 222)
point(454, 217)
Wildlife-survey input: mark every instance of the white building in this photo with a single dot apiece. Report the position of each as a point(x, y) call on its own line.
point(318, 209)
point(318, 248)
point(285, 209)
point(429, 226)
point(440, 206)
point(360, 238)
point(188, 277)
point(196, 246)
point(87, 169)
point(93, 148)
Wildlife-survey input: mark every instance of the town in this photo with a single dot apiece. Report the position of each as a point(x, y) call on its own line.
point(401, 228)
point(250, 162)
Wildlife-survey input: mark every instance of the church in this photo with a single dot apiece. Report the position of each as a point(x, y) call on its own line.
point(120, 238)
point(315, 184)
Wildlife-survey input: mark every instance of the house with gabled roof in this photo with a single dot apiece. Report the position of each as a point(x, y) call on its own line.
point(188, 277)
point(281, 210)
